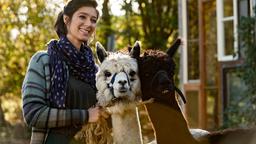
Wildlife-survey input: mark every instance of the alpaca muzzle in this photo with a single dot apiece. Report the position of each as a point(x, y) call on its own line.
point(119, 86)
point(164, 85)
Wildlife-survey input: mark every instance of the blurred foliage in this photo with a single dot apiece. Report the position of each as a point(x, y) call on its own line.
point(25, 27)
point(104, 27)
point(154, 23)
point(159, 22)
point(125, 29)
point(241, 111)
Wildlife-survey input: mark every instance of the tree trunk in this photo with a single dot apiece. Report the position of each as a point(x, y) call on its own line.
point(2, 119)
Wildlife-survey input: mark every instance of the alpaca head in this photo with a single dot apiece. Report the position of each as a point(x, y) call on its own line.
point(156, 72)
point(117, 80)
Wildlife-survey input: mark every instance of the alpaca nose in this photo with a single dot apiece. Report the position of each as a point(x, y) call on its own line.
point(122, 82)
point(164, 82)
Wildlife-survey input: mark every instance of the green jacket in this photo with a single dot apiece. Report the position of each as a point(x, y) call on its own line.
point(37, 111)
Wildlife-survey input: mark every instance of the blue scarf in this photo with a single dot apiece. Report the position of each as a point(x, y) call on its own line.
point(79, 64)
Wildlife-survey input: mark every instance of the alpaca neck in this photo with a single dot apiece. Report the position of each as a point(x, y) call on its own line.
point(169, 124)
point(126, 127)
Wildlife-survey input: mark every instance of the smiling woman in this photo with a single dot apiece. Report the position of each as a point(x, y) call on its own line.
point(58, 90)
point(81, 25)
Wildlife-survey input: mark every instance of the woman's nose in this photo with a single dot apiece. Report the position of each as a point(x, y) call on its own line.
point(87, 22)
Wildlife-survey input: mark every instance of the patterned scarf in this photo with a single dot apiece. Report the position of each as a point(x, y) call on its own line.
point(79, 64)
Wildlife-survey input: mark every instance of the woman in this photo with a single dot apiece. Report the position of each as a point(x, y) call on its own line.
point(59, 91)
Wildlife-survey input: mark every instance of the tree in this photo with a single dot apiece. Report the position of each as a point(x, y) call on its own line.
point(247, 31)
point(26, 26)
point(160, 21)
point(105, 25)
point(241, 111)
point(132, 24)
point(155, 23)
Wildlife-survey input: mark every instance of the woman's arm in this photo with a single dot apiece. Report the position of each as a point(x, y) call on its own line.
point(35, 106)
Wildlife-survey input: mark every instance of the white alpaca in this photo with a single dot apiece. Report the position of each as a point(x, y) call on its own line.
point(118, 87)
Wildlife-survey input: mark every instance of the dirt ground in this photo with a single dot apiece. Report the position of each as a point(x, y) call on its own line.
point(14, 141)
point(14, 134)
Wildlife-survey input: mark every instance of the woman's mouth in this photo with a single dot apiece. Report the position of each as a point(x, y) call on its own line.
point(84, 31)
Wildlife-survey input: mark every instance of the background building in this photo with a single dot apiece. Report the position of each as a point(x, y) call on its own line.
point(210, 53)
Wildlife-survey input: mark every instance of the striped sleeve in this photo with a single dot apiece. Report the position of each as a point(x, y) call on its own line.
point(35, 107)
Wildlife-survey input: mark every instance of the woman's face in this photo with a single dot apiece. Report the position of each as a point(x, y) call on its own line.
point(82, 25)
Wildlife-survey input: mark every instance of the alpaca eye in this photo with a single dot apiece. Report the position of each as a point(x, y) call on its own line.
point(107, 74)
point(132, 73)
point(132, 79)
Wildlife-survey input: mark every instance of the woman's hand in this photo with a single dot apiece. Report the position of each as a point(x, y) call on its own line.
point(104, 113)
point(95, 113)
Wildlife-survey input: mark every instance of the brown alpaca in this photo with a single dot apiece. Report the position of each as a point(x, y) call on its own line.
point(156, 71)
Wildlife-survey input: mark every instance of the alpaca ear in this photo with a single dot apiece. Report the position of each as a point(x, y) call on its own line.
point(135, 51)
point(172, 50)
point(101, 52)
point(129, 48)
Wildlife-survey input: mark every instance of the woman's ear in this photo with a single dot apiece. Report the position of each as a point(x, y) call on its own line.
point(65, 19)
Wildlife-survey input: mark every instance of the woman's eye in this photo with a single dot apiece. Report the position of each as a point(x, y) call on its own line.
point(107, 74)
point(93, 20)
point(82, 17)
